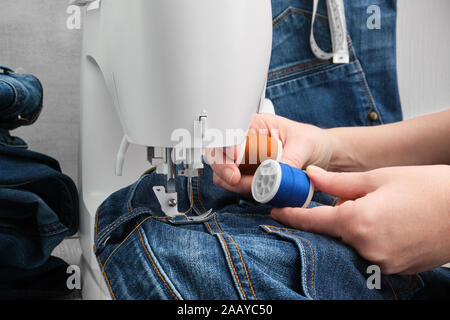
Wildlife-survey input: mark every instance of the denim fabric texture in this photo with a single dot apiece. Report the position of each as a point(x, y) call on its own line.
point(21, 97)
point(6, 139)
point(38, 203)
point(48, 281)
point(242, 253)
point(38, 207)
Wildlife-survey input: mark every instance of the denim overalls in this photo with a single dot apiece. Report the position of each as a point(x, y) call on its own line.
point(242, 253)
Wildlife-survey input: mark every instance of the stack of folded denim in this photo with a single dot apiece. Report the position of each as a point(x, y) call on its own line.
point(38, 203)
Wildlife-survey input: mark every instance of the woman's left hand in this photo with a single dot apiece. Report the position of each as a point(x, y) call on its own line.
point(397, 218)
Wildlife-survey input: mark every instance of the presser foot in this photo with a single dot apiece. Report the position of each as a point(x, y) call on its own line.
point(168, 202)
point(184, 219)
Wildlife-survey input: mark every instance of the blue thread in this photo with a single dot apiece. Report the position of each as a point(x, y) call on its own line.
point(280, 185)
point(294, 188)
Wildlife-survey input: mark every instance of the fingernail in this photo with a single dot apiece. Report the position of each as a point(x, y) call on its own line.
point(228, 172)
point(311, 170)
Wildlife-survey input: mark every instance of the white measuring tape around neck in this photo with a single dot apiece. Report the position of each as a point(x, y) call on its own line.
point(338, 30)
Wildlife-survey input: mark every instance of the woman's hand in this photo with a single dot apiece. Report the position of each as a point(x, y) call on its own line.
point(397, 218)
point(303, 145)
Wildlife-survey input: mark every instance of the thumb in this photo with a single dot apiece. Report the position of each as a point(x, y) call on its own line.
point(349, 186)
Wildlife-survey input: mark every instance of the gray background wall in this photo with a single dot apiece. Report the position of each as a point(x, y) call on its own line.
point(34, 37)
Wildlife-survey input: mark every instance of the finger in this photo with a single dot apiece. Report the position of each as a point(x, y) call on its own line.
point(225, 168)
point(222, 155)
point(348, 186)
point(296, 161)
point(243, 187)
point(228, 173)
point(268, 125)
point(323, 220)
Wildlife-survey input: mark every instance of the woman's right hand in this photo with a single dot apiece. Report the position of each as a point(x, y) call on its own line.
point(303, 145)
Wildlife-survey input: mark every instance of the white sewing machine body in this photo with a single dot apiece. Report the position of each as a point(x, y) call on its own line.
point(150, 68)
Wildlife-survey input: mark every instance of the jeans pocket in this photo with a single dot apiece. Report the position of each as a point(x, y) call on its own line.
point(331, 270)
point(307, 259)
point(309, 90)
point(291, 51)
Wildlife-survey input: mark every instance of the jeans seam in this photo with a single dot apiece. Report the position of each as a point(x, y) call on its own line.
point(232, 265)
point(204, 208)
point(243, 264)
point(366, 89)
point(269, 228)
point(155, 267)
point(124, 240)
point(106, 278)
point(296, 11)
point(109, 228)
point(296, 68)
point(229, 255)
point(392, 288)
point(313, 263)
point(39, 233)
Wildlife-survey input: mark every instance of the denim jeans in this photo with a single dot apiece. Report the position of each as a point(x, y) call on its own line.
point(38, 203)
point(47, 281)
point(306, 89)
point(242, 253)
point(38, 209)
point(21, 97)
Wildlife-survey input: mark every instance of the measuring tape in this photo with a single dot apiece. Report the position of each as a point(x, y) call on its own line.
point(338, 29)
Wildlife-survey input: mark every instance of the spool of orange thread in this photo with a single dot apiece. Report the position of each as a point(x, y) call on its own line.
point(257, 149)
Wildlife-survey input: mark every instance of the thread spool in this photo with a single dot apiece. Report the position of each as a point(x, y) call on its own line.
point(256, 149)
point(280, 185)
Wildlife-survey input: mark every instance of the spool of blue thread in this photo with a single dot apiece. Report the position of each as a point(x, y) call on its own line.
point(280, 186)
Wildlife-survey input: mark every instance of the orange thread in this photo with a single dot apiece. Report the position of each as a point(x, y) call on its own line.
point(128, 236)
point(245, 268)
point(154, 266)
point(312, 256)
point(310, 247)
point(237, 247)
point(201, 203)
point(106, 278)
point(232, 266)
point(313, 264)
point(392, 288)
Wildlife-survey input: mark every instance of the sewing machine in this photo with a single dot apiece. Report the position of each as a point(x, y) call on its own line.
point(153, 71)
